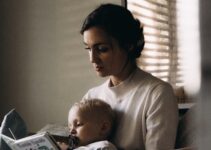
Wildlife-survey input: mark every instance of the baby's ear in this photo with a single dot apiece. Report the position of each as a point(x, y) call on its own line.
point(105, 128)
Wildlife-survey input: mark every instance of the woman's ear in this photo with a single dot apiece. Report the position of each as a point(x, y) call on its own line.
point(131, 48)
point(128, 47)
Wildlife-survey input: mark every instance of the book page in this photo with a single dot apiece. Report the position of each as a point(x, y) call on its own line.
point(40, 141)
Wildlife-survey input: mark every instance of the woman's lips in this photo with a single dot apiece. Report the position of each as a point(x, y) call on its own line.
point(98, 68)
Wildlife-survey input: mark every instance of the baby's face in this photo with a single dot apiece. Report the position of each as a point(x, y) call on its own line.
point(83, 127)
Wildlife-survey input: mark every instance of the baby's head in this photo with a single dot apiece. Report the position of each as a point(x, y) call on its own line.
point(90, 121)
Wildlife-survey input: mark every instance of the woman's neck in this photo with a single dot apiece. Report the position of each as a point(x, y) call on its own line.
point(124, 74)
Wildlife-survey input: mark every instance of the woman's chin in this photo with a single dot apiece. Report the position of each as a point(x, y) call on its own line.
point(101, 74)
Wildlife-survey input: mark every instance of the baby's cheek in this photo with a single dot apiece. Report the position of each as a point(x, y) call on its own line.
point(82, 135)
point(80, 132)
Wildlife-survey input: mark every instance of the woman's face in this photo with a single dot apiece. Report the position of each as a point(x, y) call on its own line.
point(107, 57)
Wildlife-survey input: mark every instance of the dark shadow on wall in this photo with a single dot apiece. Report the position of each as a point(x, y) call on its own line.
point(13, 20)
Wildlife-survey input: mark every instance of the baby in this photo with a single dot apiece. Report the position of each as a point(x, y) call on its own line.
point(90, 122)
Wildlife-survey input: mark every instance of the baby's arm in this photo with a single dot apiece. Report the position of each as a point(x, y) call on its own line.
point(63, 146)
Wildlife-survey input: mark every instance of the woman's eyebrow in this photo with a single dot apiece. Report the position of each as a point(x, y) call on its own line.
point(96, 44)
point(100, 43)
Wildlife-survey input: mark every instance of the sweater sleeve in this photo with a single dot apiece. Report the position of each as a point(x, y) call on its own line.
point(161, 119)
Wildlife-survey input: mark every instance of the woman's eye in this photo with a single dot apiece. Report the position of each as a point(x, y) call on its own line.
point(102, 49)
point(98, 48)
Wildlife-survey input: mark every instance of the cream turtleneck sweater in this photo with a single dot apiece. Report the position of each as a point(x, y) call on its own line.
point(147, 114)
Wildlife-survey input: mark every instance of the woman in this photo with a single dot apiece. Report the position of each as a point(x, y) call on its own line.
point(146, 106)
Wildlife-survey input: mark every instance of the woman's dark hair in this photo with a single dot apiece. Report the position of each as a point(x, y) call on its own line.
point(118, 22)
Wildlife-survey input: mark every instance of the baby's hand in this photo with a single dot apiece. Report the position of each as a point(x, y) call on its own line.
point(62, 145)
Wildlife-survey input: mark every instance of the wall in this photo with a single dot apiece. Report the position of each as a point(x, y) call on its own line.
point(204, 111)
point(43, 66)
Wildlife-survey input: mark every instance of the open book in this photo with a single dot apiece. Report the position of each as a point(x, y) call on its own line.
point(40, 141)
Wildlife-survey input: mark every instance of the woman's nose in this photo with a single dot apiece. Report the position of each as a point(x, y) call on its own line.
point(93, 56)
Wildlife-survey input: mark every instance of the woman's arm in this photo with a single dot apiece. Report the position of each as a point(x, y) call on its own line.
point(162, 119)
